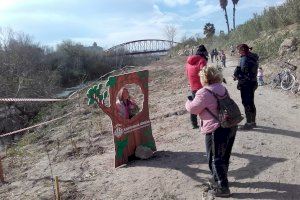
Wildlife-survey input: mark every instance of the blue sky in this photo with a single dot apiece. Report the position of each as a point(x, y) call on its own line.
point(110, 22)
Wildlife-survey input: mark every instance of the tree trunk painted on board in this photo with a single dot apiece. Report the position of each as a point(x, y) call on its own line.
point(128, 133)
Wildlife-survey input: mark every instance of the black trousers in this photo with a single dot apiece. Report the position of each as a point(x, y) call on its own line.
point(194, 117)
point(218, 149)
point(247, 95)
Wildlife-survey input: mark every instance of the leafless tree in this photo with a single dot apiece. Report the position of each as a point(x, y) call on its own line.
point(170, 31)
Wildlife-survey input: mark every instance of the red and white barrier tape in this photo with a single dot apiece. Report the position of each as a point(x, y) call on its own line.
point(34, 126)
point(52, 100)
point(45, 100)
point(29, 100)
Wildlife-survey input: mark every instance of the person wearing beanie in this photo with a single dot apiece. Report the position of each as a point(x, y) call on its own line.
point(193, 66)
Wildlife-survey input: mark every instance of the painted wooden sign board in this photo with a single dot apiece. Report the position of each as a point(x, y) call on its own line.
point(128, 133)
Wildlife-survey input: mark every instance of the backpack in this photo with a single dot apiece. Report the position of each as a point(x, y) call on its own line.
point(229, 112)
point(223, 57)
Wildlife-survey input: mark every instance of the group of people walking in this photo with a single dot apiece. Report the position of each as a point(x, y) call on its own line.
point(206, 84)
point(216, 56)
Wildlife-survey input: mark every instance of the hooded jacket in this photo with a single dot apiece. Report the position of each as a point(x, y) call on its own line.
point(204, 99)
point(195, 64)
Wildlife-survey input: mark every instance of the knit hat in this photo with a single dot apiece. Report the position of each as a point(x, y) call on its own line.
point(201, 50)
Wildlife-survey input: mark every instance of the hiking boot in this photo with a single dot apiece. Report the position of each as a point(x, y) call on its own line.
point(212, 183)
point(220, 192)
point(195, 126)
point(247, 126)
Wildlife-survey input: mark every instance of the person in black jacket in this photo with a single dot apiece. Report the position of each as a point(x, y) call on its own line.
point(246, 74)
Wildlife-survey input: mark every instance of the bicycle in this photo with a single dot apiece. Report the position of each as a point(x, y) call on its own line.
point(296, 87)
point(285, 79)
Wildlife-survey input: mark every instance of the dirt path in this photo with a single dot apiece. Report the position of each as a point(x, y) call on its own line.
point(265, 161)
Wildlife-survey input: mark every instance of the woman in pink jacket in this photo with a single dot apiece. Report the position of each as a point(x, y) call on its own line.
point(193, 66)
point(218, 140)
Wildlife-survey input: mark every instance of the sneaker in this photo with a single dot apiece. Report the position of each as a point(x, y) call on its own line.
point(220, 192)
point(212, 183)
point(254, 124)
point(247, 126)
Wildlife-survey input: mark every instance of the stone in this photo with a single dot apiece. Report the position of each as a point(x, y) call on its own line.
point(143, 152)
point(287, 46)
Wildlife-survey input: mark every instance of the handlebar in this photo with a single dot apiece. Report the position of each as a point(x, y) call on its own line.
point(289, 66)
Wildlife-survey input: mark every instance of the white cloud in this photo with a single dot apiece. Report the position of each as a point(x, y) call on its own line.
point(173, 3)
point(204, 10)
point(149, 27)
point(116, 21)
point(159, 17)
point(280, 2)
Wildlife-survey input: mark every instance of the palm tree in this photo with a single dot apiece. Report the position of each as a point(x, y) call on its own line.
point(223, 4)
point(209, 30)
point(235, 2)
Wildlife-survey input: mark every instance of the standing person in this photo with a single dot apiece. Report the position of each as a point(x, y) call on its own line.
point(126, 106)
point(246, 74)
point(223, 58)
point(260, 76)
point(218, 140)
point(194, 65)
point(232, 49)
point(212, 54)
point(216, 53)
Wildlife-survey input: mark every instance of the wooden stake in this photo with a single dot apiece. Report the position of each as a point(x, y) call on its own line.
point(57, 194)
point(1, 172)
point(75, 147)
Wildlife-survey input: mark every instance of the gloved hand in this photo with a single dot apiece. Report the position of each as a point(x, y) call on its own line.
point(190, 98)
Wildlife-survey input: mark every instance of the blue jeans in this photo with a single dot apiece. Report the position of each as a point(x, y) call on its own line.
point(223, 63)
point(260, 80)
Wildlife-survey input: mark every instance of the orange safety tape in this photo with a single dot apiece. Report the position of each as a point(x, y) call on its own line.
point(34, 126)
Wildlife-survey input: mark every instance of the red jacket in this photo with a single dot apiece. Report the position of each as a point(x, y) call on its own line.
point(194, 65)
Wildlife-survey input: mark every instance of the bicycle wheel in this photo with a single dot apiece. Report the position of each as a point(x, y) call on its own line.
point(187, 52)
point(288, 81)
point(295, 88)
point(275, 81)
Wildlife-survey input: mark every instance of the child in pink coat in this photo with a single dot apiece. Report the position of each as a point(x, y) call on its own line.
point(218, 140)
point(260, 76)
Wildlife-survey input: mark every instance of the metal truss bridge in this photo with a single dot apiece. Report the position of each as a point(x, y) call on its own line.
point(137, 47)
